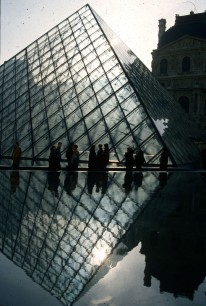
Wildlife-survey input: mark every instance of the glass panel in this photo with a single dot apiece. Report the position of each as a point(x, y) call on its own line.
point(89, 106)
point(93, 119)
point(109, 105)
point(70, 78)
point(104, 93)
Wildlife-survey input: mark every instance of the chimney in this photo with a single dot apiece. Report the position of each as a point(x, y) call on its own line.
point(162, 27)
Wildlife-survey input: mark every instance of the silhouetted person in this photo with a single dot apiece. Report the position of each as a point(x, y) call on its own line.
point(106, 155)
point(163, 179)
point(69, 153)
point(53, 182)
point(70, 182)
point(104, 182)
point(16, 156)
point(52, 158)
point(14, 180)
point(91, 181)
point(128, 178)
point(137, 178)
point(92, 165)
point(75, 158)
point(101, 181)
point(129, 159)
point(100, 158)
point(163, 159)
point(139, 159)
point(58, 156)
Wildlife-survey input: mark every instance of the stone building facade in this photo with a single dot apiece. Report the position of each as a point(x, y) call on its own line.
point(179, 63)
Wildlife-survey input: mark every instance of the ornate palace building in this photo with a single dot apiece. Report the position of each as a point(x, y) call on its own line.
point(179, 62)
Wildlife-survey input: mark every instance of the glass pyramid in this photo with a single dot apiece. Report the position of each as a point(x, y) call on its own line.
point(80, 83)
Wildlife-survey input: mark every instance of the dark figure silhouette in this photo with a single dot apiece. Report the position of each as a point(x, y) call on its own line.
point(139, 159)
point(128, 178)
point(14, 180)
point(52, 159)
point(92, 165)
point(91, 181)
point(101, 181)
point(58, 156)
point(70, 182)
point(75, 158)
point(69, 153)
point(53, 182)
point(106, 155)
point(100, 159)
point(129, 159)
point(163, 159)
point(163, 179)
point(138, 177)
point(16, 156)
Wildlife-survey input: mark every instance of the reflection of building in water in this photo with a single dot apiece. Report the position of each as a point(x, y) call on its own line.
point(61, 241)
point(53, 182)
point(172, 231)
point(14, 180)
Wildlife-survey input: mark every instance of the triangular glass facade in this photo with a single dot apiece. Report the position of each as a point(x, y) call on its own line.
point(79, 83)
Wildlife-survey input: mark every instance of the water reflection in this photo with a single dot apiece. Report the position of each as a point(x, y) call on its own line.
point(172, 232)
point(97, 181)
point(60, 227)
point(70, 182)
point(53, 182)
point(14, 180)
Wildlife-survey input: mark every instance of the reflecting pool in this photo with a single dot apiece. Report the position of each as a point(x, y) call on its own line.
point(124, 238)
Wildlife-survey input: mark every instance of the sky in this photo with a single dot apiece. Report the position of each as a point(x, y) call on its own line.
point(134, 21)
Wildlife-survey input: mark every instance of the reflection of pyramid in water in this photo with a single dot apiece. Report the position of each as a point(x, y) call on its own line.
point(79, 83)
point(61, 240)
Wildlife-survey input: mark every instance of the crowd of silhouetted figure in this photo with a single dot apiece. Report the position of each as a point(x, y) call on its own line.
point(98, 159)
point(97, 165)
point(97, 182)
point(137, 159)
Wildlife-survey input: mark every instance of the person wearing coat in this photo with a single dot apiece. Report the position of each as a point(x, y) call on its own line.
point(58, 156)
point(75, 158)
point(16, 156)
point(164, 159)
point(129, 159)
point(139, 159)
point(92, 164)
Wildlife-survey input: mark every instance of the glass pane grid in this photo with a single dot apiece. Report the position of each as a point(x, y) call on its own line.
point(71, 79)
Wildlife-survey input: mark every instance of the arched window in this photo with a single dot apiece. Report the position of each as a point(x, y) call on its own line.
point(163, 66)
point(186, 64)
point(184, 102)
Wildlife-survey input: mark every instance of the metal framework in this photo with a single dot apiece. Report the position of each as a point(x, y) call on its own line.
point(79, 83)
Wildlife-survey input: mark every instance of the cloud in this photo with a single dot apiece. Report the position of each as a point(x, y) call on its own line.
point(102, 301)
